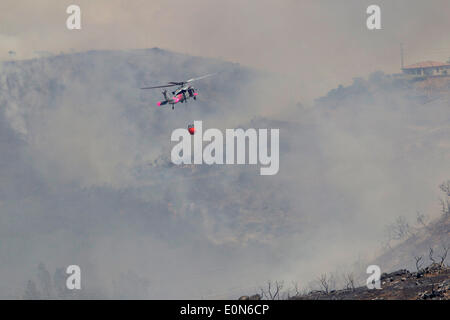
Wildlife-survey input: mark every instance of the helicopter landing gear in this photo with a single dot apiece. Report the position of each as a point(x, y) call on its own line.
point(173, 107)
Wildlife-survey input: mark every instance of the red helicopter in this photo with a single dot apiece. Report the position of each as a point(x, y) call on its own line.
point(181, 94)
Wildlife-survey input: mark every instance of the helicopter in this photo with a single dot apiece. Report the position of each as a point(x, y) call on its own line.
point(181, 94)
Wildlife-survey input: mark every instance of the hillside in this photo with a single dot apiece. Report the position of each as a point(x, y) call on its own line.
point(425, 252)
point(435, 235)
point(428, 247)
point(86, 176)
point(431, 283)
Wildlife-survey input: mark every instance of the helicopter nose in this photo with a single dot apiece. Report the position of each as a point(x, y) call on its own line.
point(158, 103)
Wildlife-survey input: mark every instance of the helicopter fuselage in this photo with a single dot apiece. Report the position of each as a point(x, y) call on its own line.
point(182, 94)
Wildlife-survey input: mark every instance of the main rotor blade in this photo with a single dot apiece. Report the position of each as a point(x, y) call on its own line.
point(180, 83)
point(164, 86)
point(199, 78)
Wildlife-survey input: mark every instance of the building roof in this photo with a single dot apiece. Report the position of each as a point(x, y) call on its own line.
point(427, 64)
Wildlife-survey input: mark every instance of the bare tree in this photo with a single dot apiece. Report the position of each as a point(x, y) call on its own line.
point(273, 290)
point(326, 282)
point(419, 262)
point(430, 255)
point(349, 279)
point(399, 230)
point(444, 255)
point(295, 289)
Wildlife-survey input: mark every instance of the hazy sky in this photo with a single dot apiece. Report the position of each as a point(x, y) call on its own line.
point(319, 44)
point(79, 137)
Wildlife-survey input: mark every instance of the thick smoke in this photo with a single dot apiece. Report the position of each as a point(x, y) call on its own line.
point(86, 176)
